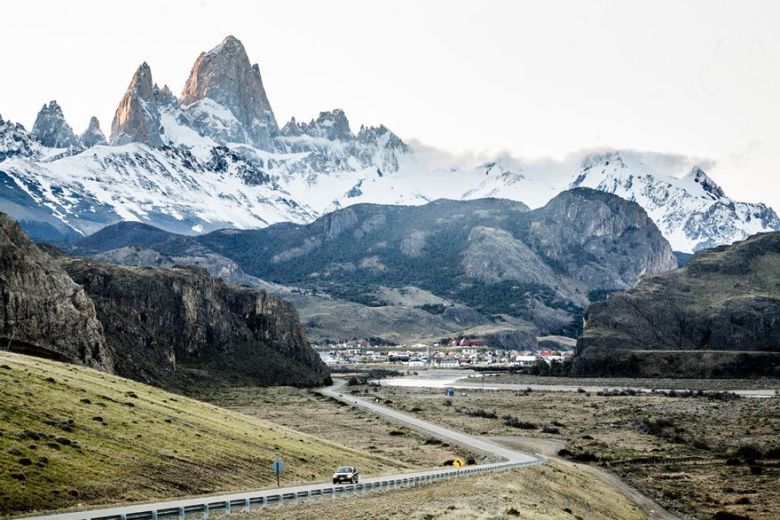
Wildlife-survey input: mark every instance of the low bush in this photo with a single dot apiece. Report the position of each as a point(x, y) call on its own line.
point(514, 422)
point(478, 412)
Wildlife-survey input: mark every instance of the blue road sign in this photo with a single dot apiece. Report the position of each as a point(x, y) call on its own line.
point(278, 467)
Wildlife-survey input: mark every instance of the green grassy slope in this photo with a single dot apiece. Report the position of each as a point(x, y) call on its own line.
point(72, 436)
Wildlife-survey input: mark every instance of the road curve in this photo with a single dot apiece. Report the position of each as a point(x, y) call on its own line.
point(511, 459)
point(478, 444)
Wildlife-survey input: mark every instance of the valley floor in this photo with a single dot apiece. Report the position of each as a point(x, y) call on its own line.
point(71, 436)
point(696, 456)
point(659, 383)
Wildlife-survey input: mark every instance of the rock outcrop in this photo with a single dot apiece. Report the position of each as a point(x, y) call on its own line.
point(137, 118)
point(170, 327)
point(717, 316)
point(165, 324)
point(51, 129)
point(93, 135)
point(600, 239)
point(225, 76)
point(43, 311)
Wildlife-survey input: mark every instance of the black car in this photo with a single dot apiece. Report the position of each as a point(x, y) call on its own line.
point(346, 474)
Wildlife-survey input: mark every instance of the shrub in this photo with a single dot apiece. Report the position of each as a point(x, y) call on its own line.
point(514, 422)
point(478, 412)
point(654, 425)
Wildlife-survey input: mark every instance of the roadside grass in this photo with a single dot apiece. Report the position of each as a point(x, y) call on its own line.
point(312, 413)
point(71, 436)
point(552, 491)
point(695, 455)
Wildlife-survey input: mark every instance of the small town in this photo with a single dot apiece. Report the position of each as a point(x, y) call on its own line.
point(454, 354)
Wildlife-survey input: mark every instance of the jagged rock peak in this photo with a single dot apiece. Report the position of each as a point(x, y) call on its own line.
point(164, 97)
point(293, 128)
point(225, 76)
point(332, 125)
point(380, 135)
point(51, 129)
point(137, 118)
point(711, 187)
point(93, 134)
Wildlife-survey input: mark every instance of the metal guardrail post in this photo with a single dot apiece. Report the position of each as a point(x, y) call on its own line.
point(247, 506)
point(205, 512)
point(154, 515)
point(181, 513)
point(227, 508)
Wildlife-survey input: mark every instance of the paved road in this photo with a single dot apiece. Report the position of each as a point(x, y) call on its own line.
point(510, 456)
point(478, 444)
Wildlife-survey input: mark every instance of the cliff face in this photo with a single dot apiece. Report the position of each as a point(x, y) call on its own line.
point(599, 239)
point(166, 324)
point(43, 311)
point(718, 315)
point(168, 327)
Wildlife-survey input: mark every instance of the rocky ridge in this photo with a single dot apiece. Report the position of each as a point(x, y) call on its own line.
point(716, 316)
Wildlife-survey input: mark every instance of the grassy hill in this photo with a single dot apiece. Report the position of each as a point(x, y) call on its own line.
point(73, 436)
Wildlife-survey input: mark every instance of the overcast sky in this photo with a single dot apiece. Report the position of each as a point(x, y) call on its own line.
point(546, 78)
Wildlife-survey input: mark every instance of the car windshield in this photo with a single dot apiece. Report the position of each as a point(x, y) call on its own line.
point(344, 469)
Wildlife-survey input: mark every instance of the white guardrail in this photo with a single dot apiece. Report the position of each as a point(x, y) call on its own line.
point(245, 502)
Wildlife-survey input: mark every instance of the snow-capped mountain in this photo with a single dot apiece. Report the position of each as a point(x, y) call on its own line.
point(692, 212)
point(216, 157)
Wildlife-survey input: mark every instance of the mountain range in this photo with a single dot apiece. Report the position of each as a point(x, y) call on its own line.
point(490, 268)
point(216, 157)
